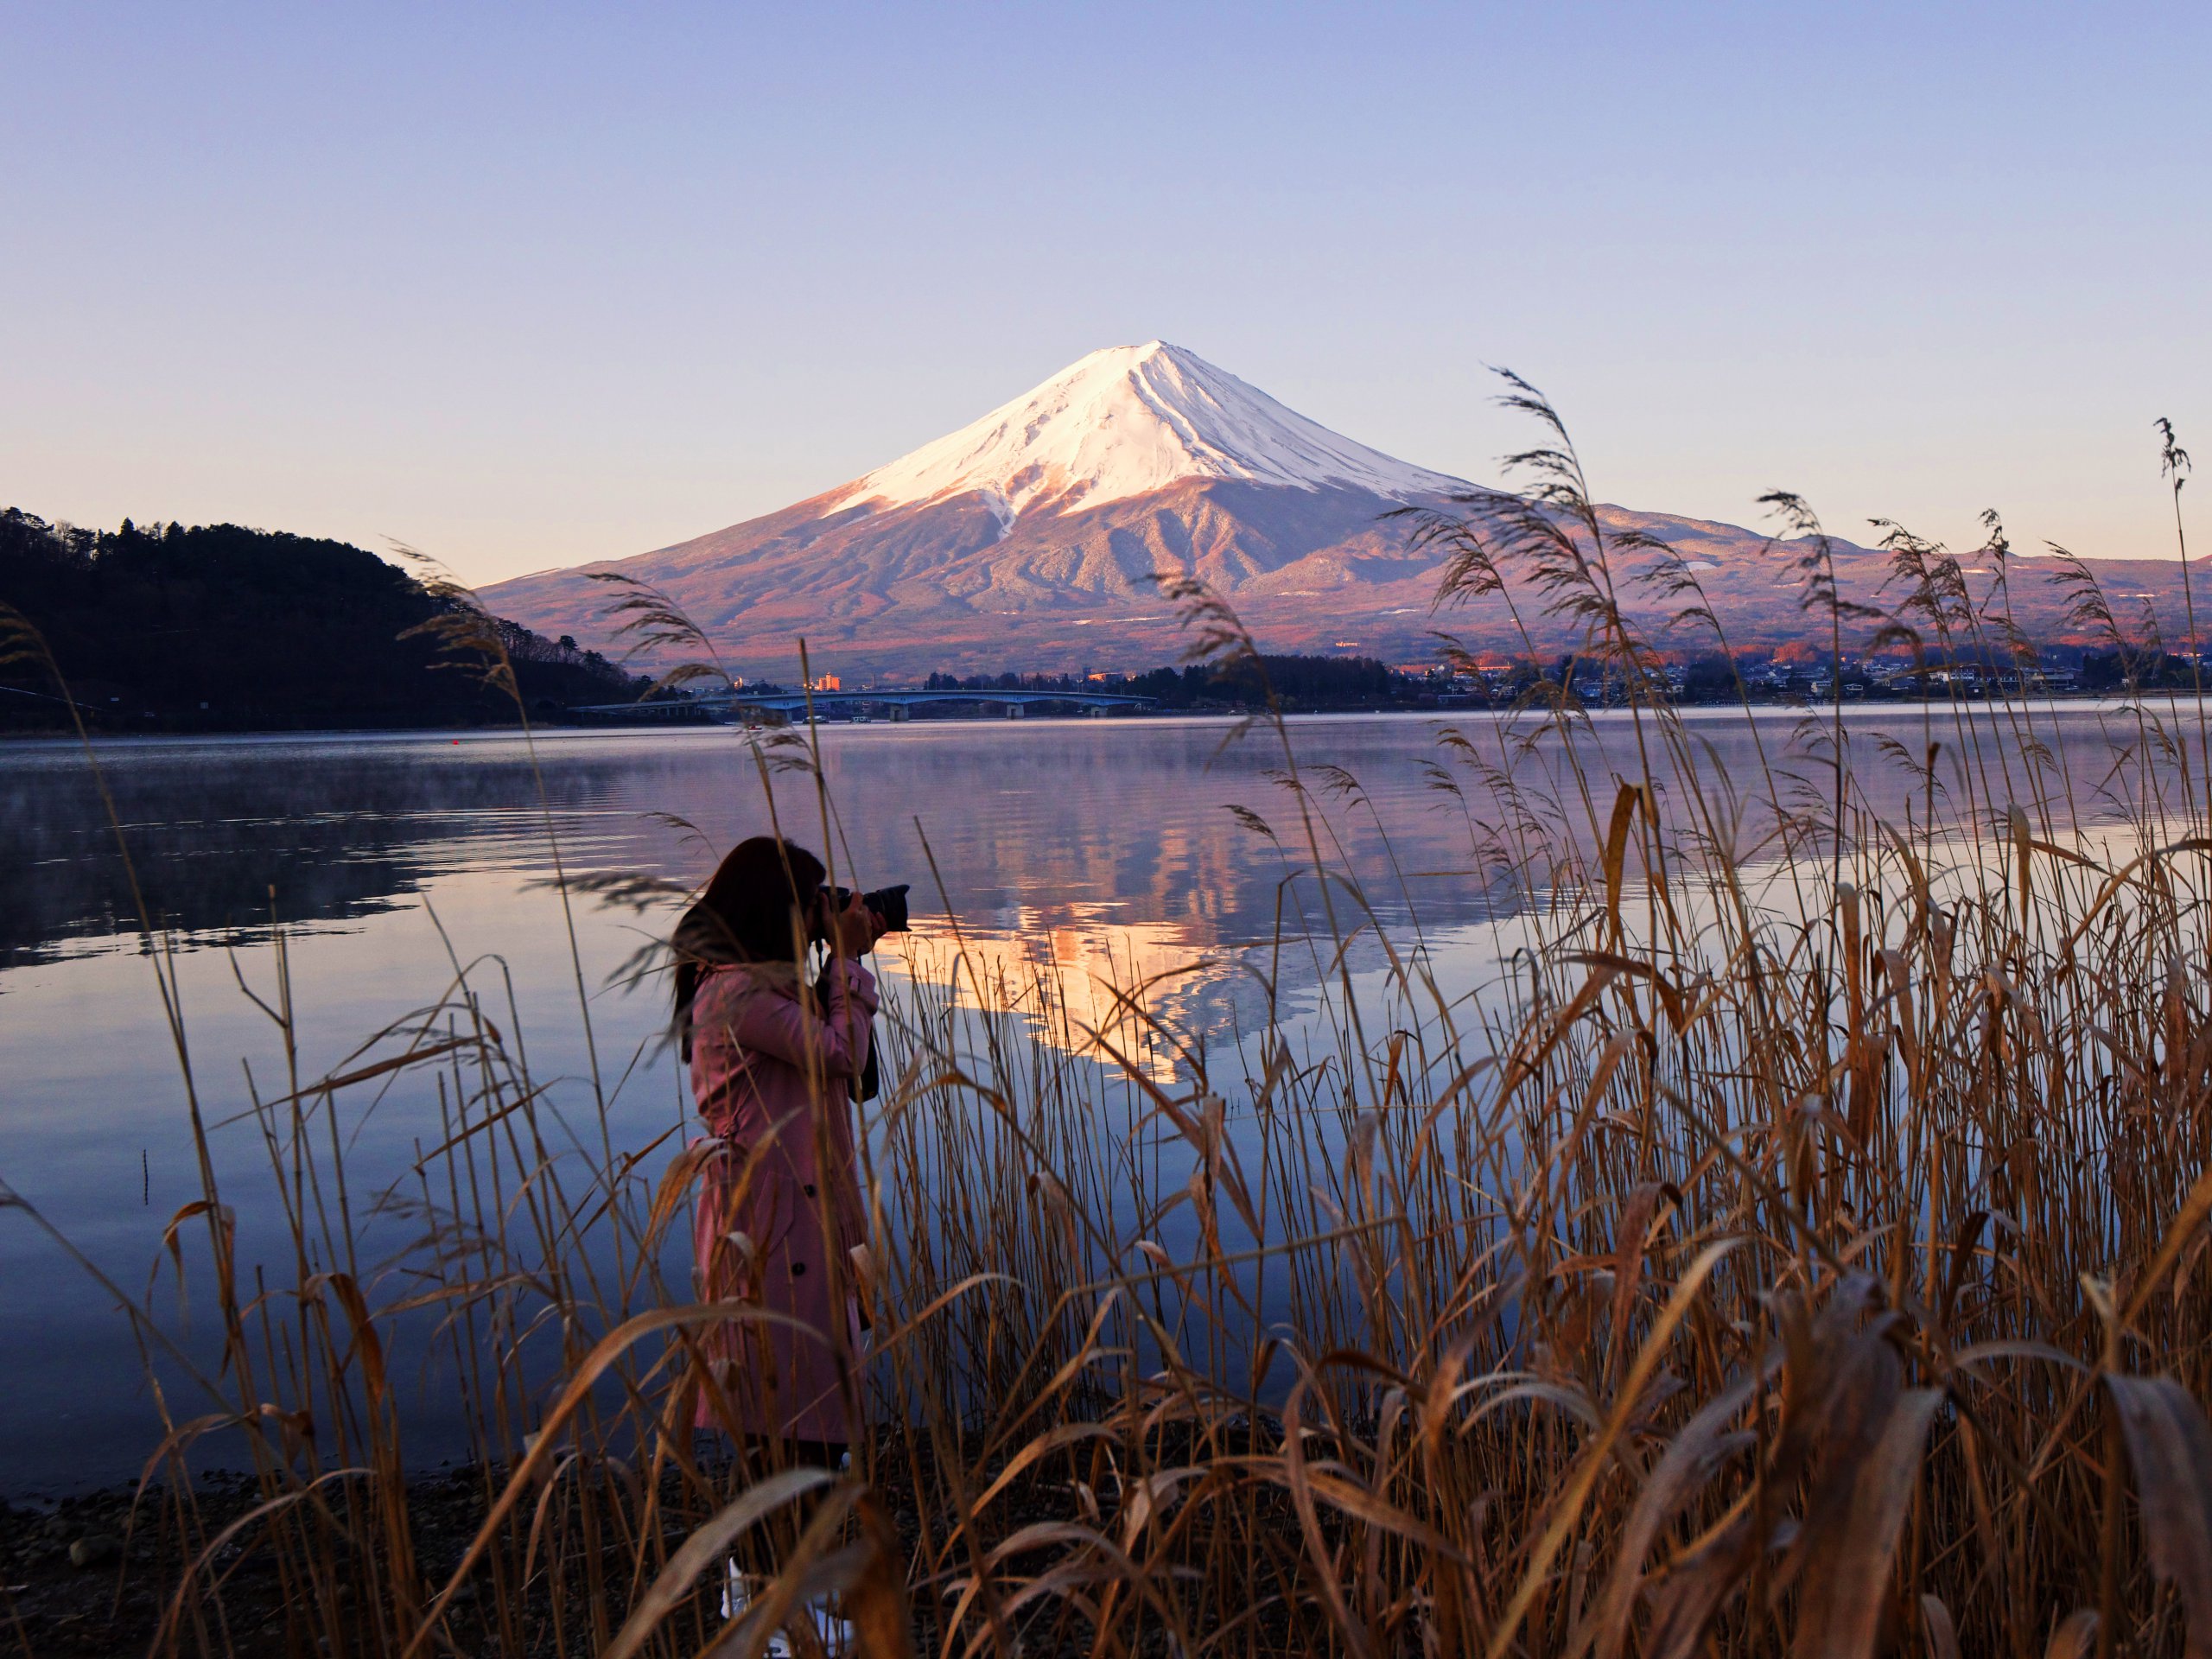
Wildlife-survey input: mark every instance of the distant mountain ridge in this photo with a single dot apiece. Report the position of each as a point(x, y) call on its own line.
point(1027, 539)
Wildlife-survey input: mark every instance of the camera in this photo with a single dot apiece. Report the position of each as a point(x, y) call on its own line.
point(889, 905)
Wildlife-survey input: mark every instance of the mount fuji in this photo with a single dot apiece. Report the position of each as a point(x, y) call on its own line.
point(1131, 421)
point(1026, 540)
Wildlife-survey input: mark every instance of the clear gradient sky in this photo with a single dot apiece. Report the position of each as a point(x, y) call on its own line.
point(529, 285)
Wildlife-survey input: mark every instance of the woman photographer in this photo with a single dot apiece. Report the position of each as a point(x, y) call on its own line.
point(775, 1066)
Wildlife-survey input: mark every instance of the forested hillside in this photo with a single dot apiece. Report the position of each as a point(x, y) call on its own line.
point(219, 627)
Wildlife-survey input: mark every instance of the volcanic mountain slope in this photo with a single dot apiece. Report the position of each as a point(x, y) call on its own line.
point(1028, 539)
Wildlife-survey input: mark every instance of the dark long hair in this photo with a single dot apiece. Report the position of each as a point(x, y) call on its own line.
point(753, 909)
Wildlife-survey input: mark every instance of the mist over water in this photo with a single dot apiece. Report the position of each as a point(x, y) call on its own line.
point(388, 863)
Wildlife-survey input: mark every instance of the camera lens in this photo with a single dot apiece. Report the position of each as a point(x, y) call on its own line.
point(890, 905)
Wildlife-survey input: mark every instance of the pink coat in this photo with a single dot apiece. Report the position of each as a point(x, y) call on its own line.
point(773, 1080)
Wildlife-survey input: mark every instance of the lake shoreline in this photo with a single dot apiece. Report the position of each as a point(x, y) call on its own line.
point(92, 1572)
point(1858, 711)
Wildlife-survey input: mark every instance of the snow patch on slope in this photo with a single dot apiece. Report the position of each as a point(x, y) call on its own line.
point(1125, 422)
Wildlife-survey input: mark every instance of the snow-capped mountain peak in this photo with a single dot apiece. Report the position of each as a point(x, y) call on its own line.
point(1127, 421)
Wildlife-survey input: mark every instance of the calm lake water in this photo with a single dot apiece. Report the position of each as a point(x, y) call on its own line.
point(386, 859)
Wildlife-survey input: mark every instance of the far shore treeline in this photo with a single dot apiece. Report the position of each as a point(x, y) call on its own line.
point(217, 627)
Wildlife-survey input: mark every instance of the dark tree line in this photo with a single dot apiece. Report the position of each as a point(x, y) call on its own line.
point(2144, 667)
point(1298, 682)
point(219, 627)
